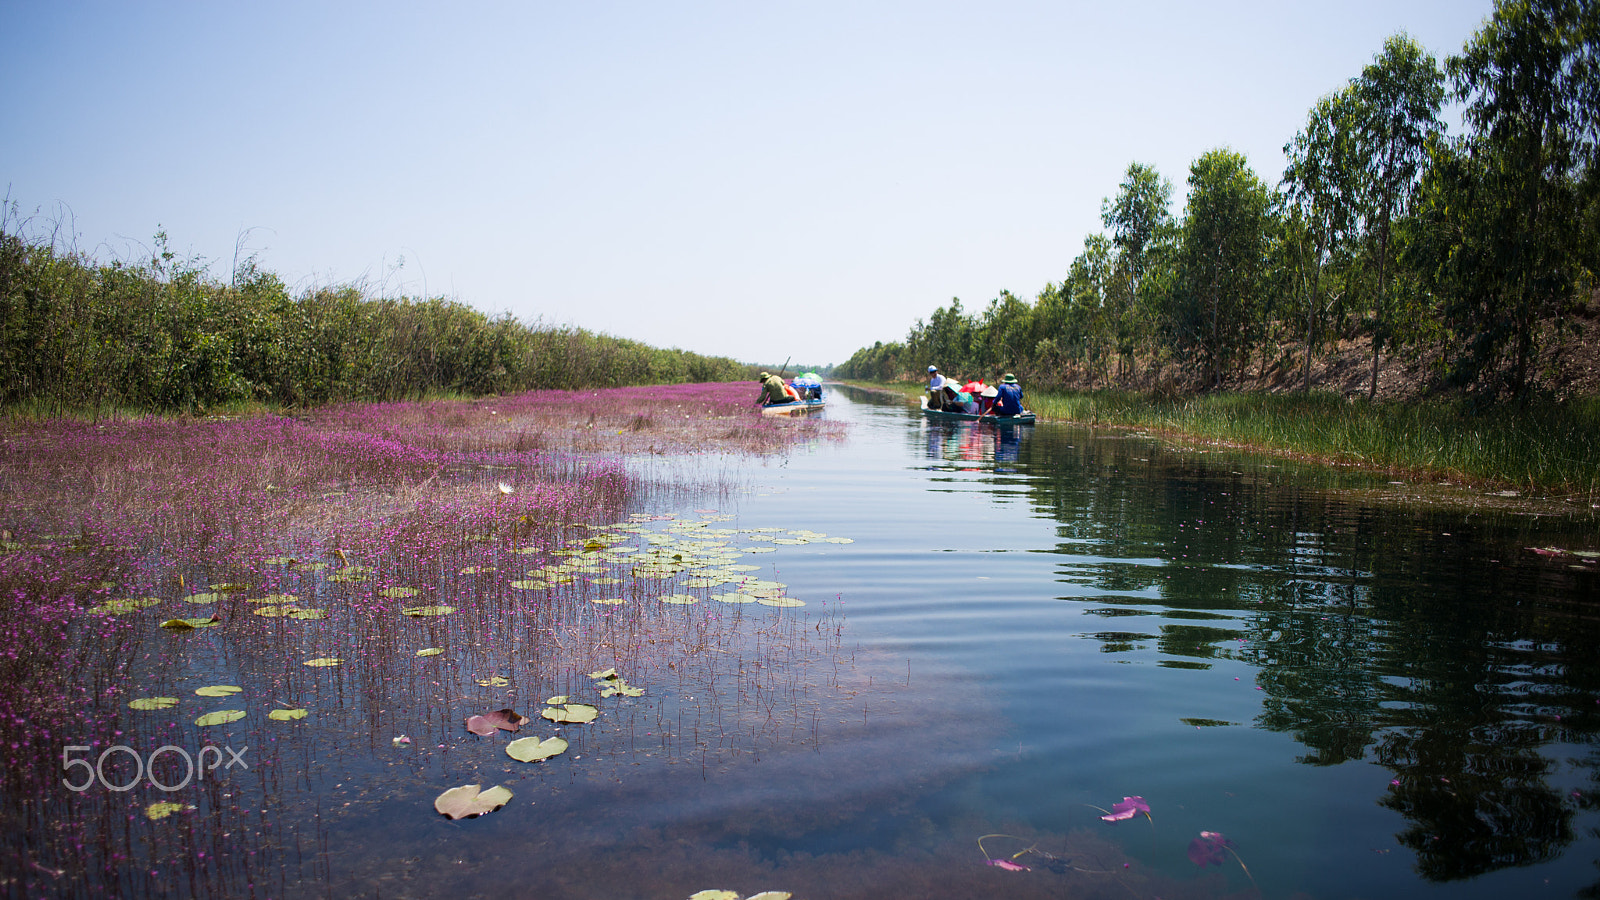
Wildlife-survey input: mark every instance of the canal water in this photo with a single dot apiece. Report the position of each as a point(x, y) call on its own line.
point(1030, 662)
point(1368, 689)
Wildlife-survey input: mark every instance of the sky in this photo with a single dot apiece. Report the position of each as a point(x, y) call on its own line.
point(758, 180)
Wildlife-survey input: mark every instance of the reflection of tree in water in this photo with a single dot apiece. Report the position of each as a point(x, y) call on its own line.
point(1422, 636)
point(1476, 795)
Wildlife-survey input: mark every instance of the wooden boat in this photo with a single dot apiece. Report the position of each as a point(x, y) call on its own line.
point(1027, 418)
point(792, 408)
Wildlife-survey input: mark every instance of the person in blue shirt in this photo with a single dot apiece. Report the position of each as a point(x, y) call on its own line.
point(1008, 400)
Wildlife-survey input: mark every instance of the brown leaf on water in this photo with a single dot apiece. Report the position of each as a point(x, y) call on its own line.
point(479, 725)
point(505, 719)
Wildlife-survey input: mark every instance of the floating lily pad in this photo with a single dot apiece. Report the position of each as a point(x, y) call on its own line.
point(840, 540)
point(468, 801)
point(606, 579)
point(280, 561)
point(163, 808)
point(430, 651)
point(770, 895)
point(492, 681)
point(714, 895)
point(218, 690)
point(478, 570)
point(780, 601)
point(123, 606)
point(398, 593)
point(680, 600)
point(153, 703)
point(276, 598)
point(556, 701)
point(207, 597)
point(620, 687)
point(220, 717)
point(324, 661)
point(273, 610)
point(572, 713)
point(230, 587)
point(531, 749)
point(187, 624)
point(287, 715)
point(735, 598)
point(530, 584)
point(415, 611)
point(299, 613)
point(609, 601)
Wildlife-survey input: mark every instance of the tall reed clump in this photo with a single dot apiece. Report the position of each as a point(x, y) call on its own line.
point(81, 335)
point(1547, 447)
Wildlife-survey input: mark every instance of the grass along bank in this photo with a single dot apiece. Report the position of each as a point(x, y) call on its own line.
point(1547, 448)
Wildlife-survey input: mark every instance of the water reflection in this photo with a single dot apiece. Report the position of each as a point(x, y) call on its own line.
point(1421, 637)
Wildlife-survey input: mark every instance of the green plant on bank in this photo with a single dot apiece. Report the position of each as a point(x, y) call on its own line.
point(1546, 447)
point(82, 337)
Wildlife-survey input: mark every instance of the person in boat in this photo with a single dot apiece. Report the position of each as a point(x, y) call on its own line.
point(1008, 397)
point(809, 386)
point(773, 390)
point(936, 385)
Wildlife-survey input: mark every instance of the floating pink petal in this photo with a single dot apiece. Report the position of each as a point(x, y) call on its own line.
point(1210, 847)
point(1127, 809)
point(1008, 865)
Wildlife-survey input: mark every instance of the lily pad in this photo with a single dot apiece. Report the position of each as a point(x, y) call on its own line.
point(531, 749)
point(714, 895)
point(187, 624)
point(680, 599)
point(530, 584)
point(220, 717)
point(153, 703)
point(477, 570)
point(572, 713)
point(415, 611)
point(218, 690)
point(492, 681)
point(430, 651)
point(207, 597)
point(735, 598)
point(299, 613)
point(324, 661)
point(398, 593)
point(163, 808)
point(287, 715)
point(276, 598)
point(609, 601)
point(280, 561)
point(556, 701)
point(230, 587)
point(272, 610)
point(780, 601)
point(468, 801)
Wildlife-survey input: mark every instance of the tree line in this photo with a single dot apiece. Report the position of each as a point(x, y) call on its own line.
point(1476, 250)
point(162, 334)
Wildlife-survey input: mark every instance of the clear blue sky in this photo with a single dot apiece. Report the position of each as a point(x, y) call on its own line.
point(758, 180)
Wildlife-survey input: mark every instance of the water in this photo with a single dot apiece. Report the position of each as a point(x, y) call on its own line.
point(1370, 689)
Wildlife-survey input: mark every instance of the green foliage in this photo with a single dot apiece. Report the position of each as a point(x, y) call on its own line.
point(1220, 268)
point(1477, 252)
point(80, 335)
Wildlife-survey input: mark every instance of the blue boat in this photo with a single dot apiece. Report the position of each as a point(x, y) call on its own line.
point(792, 408)
point(1027, 418)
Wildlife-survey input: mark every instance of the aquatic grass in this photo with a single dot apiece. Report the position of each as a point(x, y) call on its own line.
point(408, 496)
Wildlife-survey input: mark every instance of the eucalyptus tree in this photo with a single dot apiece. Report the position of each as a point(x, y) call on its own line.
point(1511, 199)
point(1138, 217)
point(1322, 188)
point(1396, 103)
point(1220, 262)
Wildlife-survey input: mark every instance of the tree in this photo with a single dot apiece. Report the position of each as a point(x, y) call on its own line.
point(1220, 262)
point(1137, 218)
point(1322, 187)
point(1509, 201)
point(1396, 100)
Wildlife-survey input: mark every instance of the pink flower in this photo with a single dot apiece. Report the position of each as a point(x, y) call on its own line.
point(1127, 809)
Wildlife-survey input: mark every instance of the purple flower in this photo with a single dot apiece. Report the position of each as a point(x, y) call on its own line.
point(1127, 809)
